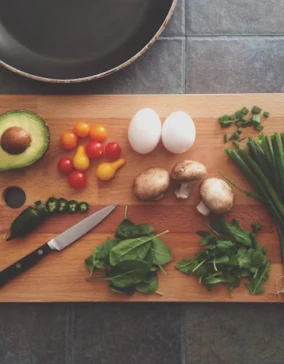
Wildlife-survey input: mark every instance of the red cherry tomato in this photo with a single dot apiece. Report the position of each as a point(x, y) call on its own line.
point(77, 179)
point(94, 150)
point(65, 165)
point(112, 151)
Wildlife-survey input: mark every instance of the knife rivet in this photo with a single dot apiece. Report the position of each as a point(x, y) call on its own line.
point(18, 265)
point(40, 252)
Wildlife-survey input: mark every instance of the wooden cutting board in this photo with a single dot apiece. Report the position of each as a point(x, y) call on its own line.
point(61, 276)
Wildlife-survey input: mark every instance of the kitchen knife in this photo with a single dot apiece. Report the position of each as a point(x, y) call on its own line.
point(60, 242)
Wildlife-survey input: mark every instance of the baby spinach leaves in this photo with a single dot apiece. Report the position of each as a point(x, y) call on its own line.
point(229, 255)
point(131, 259)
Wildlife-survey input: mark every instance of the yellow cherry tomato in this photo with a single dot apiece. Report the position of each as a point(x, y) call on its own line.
point(98, 133)
point(81, 161)
point(68, 140)
point(81, 129)
point(106, 171)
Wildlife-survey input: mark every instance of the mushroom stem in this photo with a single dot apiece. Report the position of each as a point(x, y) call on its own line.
point(203, 209)
point(184, 190)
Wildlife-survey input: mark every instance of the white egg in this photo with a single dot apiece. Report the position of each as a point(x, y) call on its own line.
point(178, 133)
point(144, 131)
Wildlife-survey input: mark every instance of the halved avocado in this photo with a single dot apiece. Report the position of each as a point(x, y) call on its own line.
point(24, 139)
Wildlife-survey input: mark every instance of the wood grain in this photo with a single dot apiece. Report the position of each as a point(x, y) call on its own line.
point(61, 277)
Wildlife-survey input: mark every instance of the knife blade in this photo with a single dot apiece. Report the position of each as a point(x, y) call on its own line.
point(60, 242)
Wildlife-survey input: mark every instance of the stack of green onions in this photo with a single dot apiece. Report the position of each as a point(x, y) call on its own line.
point(263, 166)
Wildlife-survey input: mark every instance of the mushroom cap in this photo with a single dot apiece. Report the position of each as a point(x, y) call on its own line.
point(151, 184)
point(187, 171)
point(217, 195)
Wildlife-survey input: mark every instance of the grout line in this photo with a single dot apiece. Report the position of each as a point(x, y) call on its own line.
point(184, 47)
point(72, 335)
point(184, 18)
point(183, 72)
point(183, 336)
point(181, 37)
point(69, 335)
point(223, 36)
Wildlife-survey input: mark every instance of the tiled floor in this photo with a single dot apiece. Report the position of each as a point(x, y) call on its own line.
point(212, 46)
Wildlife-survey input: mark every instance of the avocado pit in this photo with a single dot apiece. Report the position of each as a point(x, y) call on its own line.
point(15, 140)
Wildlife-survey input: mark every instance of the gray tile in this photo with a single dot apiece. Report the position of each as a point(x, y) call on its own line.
point(176, 26)
point(127, 333)
point(234, 17)
point(234, 334)
point(159, 70)
point(32, 334)
point(220, 65)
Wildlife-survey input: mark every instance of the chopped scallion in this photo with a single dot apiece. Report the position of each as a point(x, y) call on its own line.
point(256, 120)
point(239, 114)
point(256, 110)
point(223, 118)
point(226, 123)
point(245, 110)
point(266, 114)
point(259, 127)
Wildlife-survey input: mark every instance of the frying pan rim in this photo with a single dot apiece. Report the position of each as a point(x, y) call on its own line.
point(102, 74)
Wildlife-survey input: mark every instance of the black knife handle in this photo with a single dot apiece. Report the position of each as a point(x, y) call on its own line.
point(24, 264)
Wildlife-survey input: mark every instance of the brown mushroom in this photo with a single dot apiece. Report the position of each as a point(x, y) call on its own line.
point(15, 140)
point(216, 196)
point(186, 174)
point(151, 184)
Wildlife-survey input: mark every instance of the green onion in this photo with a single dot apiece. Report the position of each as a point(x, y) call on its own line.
point(225, 138)
point(259, 127)
point(256, 120)
point(226, 123)
point(266, 114)
point(235, 136)
point(245, 110)
point(256, 110)
point(263, 166)
point(223, 118)
point(232, 117)
point(239, 114)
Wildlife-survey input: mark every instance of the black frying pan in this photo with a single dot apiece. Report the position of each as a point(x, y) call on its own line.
point(77, 40)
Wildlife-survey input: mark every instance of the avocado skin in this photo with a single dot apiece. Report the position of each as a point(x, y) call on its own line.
point(43, 123)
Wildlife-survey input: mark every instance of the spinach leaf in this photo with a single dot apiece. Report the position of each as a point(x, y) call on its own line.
point(142, 230)
point(125, 230)
point(160, 252)
point(149, 284)
point(130, 249)
point(224, 244)
point(89, 263)
point(100, 264)
point(128, 230)
point(126, 274)
point(233, 231)
point(103, 250)
point(255, 284)
point(126, 291)
point(184, 265)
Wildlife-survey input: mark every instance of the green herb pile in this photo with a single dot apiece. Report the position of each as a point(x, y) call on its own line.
point(230, 254)
point(131, 259)
point(241, 119)
point(263, 165)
